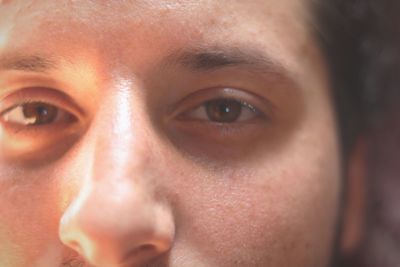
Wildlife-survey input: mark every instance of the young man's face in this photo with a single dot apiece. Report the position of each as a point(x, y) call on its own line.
point(165, 133)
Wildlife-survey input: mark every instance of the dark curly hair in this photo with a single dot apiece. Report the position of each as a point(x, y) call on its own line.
point(340, 28)
point(361, 43)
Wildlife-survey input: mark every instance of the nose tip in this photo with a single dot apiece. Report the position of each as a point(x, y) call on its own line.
point(112, 233)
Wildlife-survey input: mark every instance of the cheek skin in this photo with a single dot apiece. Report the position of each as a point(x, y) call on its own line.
point(260, 223)
point(8, 253)
point(28, 221)
point(270, 216)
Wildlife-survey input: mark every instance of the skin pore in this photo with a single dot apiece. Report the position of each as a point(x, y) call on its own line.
point(165, 133)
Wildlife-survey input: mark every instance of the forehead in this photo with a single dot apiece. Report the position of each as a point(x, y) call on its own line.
point(147, 30)
point(108, 13)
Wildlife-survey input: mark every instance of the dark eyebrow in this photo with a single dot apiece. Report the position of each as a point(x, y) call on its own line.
point(34, 63)
point(200, 59)
point(208, 59)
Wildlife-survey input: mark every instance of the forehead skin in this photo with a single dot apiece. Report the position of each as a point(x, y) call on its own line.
point(147, 27)
point(276, 207)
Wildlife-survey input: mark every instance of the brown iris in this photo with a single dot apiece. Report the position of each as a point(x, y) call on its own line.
point(40, 113)
point(223, 110)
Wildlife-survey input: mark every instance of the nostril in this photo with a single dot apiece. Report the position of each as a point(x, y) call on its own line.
point(140, 253)
point(146, 247)
point(142, 249)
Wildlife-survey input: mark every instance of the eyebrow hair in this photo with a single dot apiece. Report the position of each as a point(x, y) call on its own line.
point(208, 59)
point(199, 59)
point(34, 63)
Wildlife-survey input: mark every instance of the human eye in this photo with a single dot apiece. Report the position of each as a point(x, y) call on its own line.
point(225, 106)
point(221, 115)
point(221, 123)
point(37, 122)
point(224, 110)
point(36, 109)
point(36, 113)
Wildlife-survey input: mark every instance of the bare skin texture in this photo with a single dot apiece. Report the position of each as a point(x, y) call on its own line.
point(132, 170)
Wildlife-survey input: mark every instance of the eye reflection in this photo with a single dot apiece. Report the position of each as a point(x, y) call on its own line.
point(223, 110)
point(36, 114)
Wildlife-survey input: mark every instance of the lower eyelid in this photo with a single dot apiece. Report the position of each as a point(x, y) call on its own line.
point(200, 131)
point(30, 132)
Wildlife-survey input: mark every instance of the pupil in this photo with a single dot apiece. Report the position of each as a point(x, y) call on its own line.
point(42, 111)
point(223, 110)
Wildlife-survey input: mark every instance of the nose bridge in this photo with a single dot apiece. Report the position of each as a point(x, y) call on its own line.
point(115, 131)
point(122, 132)
point(116, 213)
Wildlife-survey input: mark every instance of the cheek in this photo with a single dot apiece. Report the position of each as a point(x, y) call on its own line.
point(280, 209)
point(28, 219)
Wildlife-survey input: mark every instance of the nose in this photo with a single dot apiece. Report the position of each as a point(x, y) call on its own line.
point(116, 218)
point(112, 224)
